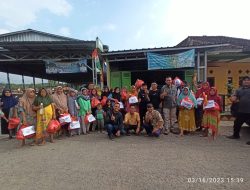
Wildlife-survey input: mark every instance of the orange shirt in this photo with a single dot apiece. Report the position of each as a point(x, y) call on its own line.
point(132, 119)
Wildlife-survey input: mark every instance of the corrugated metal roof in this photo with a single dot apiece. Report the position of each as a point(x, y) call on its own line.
point(213, 40)
point(32, 35)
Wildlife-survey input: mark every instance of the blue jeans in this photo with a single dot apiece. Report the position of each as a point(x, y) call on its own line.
point(149, 130)
point(111, 129)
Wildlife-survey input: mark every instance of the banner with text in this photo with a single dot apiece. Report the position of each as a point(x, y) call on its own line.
point(180, 60)
point(53, 67)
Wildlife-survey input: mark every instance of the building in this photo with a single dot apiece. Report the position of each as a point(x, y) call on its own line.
point(27, 53)
point(222, 61)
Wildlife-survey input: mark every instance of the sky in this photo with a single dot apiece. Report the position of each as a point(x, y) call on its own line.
point(128, 24)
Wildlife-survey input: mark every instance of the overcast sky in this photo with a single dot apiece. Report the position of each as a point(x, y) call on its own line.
point(128, 24)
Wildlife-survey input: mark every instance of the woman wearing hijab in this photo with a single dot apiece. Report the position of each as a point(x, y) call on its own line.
point(105, 92)
point(211, 117)
point(45, 113)
point(60, 101)
point(61, 106)
point(203, 90)
point(8, 104)
point(186, 119)
point(26, 108)
point(72, 105)
point(83, 101)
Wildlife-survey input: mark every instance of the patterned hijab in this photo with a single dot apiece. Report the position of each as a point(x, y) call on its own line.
point(189, 95)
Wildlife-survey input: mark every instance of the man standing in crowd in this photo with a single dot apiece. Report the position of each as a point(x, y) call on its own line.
point(154, 96)
point(169, 96)
point(132, 120)
point(242, 95)
point(143, 100)
point(153, 122)
point(114, 122)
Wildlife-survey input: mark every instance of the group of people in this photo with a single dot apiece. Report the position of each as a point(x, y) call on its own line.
point(173, 108)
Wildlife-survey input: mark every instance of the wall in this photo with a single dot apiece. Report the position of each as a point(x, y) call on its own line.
point(221, 74)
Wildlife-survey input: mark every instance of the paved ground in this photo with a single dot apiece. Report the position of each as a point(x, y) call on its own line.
point(94, 162)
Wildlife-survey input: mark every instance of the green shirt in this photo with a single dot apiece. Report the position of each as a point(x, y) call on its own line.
point(84, 106)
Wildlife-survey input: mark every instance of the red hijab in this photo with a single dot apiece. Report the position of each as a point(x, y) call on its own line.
point(205, 87)
point(215, 97)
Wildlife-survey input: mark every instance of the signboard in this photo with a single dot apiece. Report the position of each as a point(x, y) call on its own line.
point(180, 60)
point(53, 67)
point(99, 44)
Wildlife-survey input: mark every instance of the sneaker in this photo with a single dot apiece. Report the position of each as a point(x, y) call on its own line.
point(233, 137)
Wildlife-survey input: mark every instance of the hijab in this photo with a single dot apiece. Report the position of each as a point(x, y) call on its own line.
point(84, 97)
point(71, 102)
point(26, 102)
point(116, 95)
point(203, 89)
point(8, 101)
point(40, 99)
point(60, 100)
point(215, 97)
point(189, 95)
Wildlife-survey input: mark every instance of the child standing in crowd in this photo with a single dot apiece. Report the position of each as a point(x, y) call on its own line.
point(211, 117)
point(100, 117)
point(186, 115)
point(83, 101)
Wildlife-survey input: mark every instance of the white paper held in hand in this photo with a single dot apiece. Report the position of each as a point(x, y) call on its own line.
point(133, 100)
point(65, 119)
point(74, 125)
point(91, 118)
point(210, 104)
point(30, 130)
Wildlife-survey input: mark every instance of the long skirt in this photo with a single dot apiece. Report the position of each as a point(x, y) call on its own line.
point(211, 120)
point(43, 121)
point(186, 120)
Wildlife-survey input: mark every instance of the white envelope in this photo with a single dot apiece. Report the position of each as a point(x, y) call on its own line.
point(74, 125)
point(133, 100)
point(121, 105)
point(91, 118)
point(186, 104)
point(30, 130)
point(65, 119)
point(199, 101)
point(210, 104)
